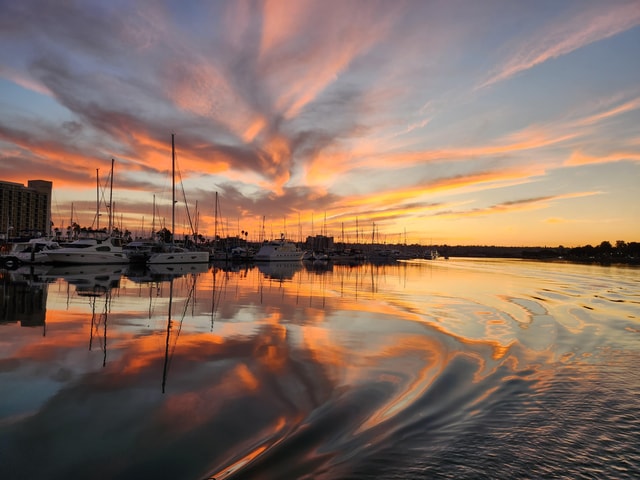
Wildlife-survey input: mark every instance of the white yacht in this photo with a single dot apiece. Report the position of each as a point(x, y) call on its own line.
point(280, 250)
point(35, 251)
point(90, 251)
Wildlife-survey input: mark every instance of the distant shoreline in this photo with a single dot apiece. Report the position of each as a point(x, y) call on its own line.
point(577, 255)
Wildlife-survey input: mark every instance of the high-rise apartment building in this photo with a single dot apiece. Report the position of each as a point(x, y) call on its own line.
point(25, 211)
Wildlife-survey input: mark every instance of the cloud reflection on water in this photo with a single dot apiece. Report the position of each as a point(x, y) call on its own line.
point(280, 376)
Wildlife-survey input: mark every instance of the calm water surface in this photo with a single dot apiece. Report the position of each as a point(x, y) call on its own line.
point(463, 368)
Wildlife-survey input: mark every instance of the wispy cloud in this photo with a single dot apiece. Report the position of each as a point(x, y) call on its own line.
point(610, 111)
point(23, 80)
point(579, 158)
point(587, 24)
point(521, 205)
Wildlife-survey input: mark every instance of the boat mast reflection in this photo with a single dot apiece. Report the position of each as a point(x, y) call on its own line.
point(165, 367)
point(169, 347)
point(216, 293)
point(93, 282)
point(97, 321)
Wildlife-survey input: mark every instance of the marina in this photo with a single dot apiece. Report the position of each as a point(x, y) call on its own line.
point(310, 240)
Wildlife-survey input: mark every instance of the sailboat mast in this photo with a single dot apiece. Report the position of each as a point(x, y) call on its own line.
point(153, 218)
point(357, 233)
point(215, 223)
point(97, 198)
point(111, 200)
point(173, 187)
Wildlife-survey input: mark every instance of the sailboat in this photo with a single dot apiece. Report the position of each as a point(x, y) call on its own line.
point(172, 253)
point(217, 253)
point(97, 247)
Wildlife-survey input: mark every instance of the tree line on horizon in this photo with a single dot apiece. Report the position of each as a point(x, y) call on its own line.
point(606, 251)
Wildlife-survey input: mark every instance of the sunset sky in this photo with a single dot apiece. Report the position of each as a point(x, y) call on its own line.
point(445, 122)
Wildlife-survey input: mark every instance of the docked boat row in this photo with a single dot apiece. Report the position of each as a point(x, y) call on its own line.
point(110, 250)
point(102, 249)
point(115, 251)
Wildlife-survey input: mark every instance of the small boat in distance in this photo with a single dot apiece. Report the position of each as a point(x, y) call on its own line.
point(280, 250)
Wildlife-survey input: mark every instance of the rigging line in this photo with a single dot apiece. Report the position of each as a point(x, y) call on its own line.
point(102, 198)
point(184, 196)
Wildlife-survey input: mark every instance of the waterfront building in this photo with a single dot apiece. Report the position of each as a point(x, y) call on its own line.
point(25, 211)
point(319, 243)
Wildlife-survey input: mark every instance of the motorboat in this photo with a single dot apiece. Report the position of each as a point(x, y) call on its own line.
point(280, 250)
point(34, 251)
point(93, 250)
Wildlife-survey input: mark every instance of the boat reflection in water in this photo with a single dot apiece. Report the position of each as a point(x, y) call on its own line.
point(89, 280)
point(458, 369)
point(283, 270)
point(95, 283)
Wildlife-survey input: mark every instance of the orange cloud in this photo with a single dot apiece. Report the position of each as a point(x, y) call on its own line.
point(578, 158)
point(343, 38)
point(474, 181)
